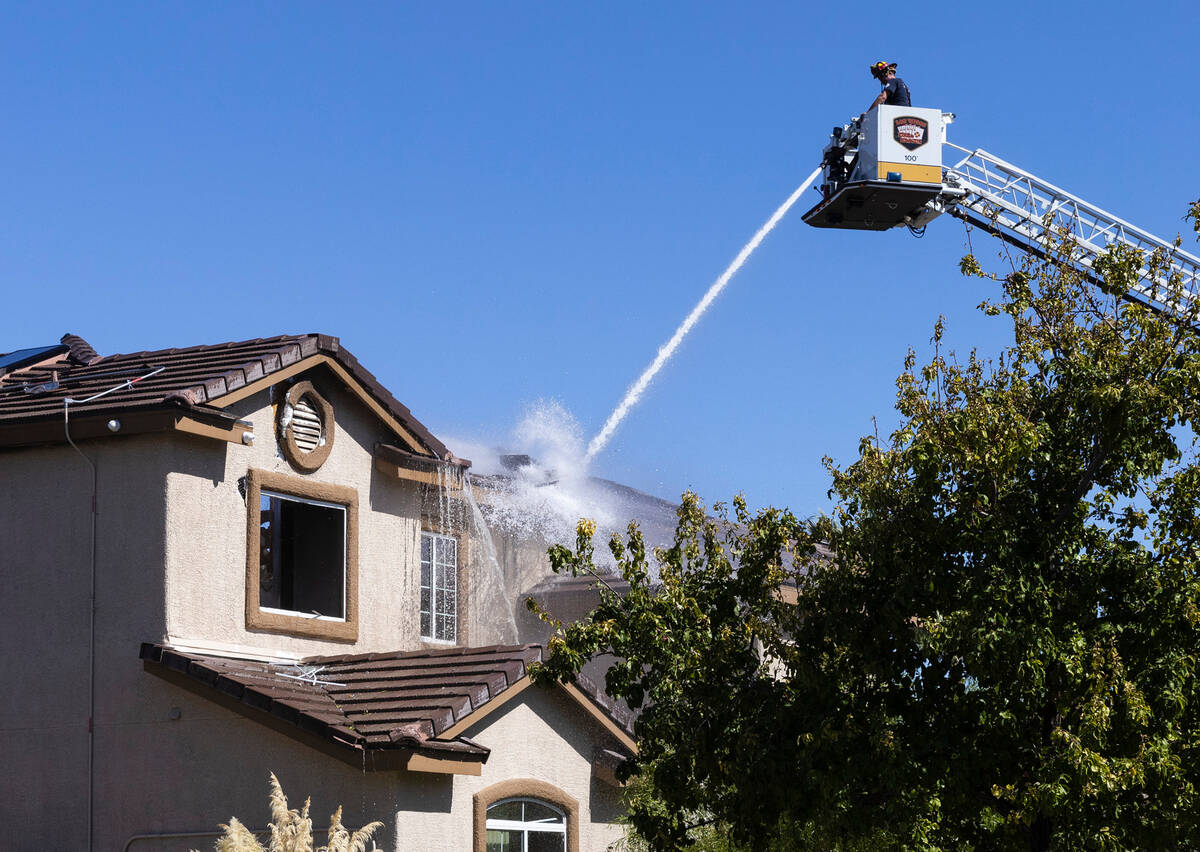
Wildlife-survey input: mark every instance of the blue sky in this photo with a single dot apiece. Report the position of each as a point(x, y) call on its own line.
point(496, 203)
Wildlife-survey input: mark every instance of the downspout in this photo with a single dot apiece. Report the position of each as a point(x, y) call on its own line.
point(91, 728)
point(91, 773)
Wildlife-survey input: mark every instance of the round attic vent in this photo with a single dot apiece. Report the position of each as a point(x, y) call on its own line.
point(305, 427)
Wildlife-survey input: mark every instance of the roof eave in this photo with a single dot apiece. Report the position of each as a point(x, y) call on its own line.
point(169, 416)
point(434, 758)
point(398, 463)
point(276, 360)
point(383, 396)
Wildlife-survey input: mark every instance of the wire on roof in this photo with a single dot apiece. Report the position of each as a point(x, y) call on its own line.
point(128, 383)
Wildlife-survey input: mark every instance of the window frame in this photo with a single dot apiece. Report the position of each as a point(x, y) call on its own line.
point(325, 504)
point(274, 620)
point(526, 788)
point(524, 826)
point(432, 639)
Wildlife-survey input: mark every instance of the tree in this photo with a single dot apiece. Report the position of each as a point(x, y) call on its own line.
point(998, 648)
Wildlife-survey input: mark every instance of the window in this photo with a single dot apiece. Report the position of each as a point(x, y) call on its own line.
point(301, 562)
point(524, 815)
point(302, 556)
point(525, 825)
point(439, 587)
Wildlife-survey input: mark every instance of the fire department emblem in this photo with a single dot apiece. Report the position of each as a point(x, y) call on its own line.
point(910, 131)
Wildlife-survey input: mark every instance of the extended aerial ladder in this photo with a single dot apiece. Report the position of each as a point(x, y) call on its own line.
point(885, 169)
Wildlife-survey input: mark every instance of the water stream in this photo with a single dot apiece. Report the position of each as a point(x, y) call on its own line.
point(533, 496)
point(668, 349)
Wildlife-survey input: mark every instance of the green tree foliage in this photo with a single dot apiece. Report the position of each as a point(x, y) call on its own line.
point(998, 648)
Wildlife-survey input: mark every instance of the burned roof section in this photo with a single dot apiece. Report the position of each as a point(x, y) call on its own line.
point(195, 379)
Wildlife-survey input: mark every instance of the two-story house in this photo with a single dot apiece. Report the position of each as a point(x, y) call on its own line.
point(223, 561)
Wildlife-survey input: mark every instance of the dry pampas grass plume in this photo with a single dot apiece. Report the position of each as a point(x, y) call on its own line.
point(291, 830)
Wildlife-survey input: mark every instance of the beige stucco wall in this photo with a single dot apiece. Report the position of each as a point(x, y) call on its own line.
point(170, 563)
point(544, 736)
point(189, 773)
point(182, 763)
point(206, 534)
point(45, 589)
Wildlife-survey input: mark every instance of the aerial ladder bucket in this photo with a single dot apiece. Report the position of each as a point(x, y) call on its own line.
point(882, 170)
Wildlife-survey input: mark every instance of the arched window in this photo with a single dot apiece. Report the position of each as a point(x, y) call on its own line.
point(525, 825)
point(524, 815)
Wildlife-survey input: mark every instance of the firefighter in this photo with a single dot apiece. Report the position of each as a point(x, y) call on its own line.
point(894, 93)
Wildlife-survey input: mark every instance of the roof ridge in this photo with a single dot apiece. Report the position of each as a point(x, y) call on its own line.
point(79, 350)
point(416, 654)
point(226, 345)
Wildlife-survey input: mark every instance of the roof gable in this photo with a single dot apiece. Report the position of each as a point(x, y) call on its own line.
point(197, 382)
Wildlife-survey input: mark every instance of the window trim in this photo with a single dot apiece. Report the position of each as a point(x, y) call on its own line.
point(272, 620)
point(458, 577)
point(525, 788)
point(528, 827)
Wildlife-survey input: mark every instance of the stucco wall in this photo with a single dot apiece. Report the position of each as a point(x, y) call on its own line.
point(206, 534)
point(191, 772)
point(544, 736)
point(45, 589)
point(170, 563)
point(191, 765)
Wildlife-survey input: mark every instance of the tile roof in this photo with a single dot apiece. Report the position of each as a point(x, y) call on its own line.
point(192, 379)
point(367, 703)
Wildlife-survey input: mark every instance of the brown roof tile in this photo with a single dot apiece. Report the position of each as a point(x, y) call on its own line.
point(367, 702)
point(195, 377)
point(79, 350)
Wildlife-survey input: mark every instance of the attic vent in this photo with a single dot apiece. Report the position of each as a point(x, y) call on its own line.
point(306, 429)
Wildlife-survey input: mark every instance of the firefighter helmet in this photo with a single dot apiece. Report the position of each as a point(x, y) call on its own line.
point(880, 69)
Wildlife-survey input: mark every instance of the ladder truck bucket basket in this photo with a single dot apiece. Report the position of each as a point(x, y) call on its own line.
point(882, 170)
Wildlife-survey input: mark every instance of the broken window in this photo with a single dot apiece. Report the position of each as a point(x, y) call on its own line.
point(302, 556)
